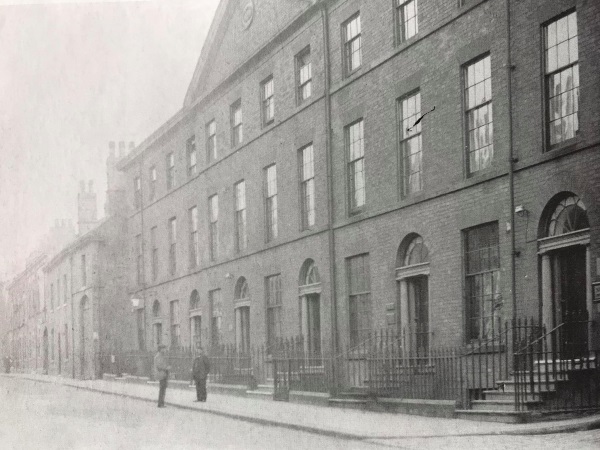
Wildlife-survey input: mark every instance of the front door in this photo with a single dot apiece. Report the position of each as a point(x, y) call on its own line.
point(196, 328)
point(313, 313)
point(59, 355)
point(157, 334)
point(46, 351)
point(570, 306)
point(243, 332)
point(418, 300)
point(87, 342)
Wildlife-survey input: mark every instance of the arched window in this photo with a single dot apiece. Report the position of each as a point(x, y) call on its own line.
point(309, 274)
point(569, 215)
point(156, 309)
point(412, 251)
point(242, 292)
point(194, 300)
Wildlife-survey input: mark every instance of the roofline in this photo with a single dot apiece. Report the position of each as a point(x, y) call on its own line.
point(128, 160)
point(28, 269)
point(189, 104)
point(89, 237)
point(215, 26)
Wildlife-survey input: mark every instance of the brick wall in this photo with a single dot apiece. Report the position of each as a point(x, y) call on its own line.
point(451, 200)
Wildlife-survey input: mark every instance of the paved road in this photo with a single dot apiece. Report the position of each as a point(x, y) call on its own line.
point(585, 440)
point(49, 416)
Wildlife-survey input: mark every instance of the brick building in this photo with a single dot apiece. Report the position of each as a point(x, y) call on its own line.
point(68, 308)
point(25, 303)
point(86, 306)
point(297, 191)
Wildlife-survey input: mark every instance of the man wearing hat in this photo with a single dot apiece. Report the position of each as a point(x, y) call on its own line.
point(161, 370)
point(200, 370)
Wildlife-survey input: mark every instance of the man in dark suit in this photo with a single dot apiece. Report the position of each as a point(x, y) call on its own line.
point(161, 372)
point(200, 370)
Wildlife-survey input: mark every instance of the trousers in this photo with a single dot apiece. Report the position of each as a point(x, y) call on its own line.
point(162, 390)
point(201, 389)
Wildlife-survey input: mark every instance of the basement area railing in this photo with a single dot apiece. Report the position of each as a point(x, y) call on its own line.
point(556, 371)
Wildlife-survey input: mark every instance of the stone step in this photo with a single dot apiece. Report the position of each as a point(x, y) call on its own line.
point(493, 416)
point(498, 394)
point(509, 386)
point(260, 394)
point(502, 405)
point(351, 403)
point(568, 364)
point(541, 376)
point(354, 393)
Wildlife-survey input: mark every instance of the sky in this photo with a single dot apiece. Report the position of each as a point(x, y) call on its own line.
point(74, 76)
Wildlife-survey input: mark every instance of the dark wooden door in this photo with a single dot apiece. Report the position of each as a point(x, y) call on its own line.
point(571, 306)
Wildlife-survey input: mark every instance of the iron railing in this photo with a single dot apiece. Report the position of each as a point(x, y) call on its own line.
point(556, 371)
point(486, 362)
point(297, 368)
point(385, 364)
point(554, 366)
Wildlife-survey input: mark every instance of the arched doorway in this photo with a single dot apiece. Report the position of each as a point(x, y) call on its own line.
point(564, 248)
point(86, 349)
point(195, 320)
point(412, 281)
point(45, 356)
point(242, 315)
point(310, 307)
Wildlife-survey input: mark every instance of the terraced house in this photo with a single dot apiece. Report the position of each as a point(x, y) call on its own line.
point(384, 179)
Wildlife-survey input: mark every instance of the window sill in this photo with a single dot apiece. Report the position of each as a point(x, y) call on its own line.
point(348, 75)
point(412, 196)
point(406, 42)
point(481, 173)
point(563, 147)
point(548, 154)
point(303, 102)
point(356, 212)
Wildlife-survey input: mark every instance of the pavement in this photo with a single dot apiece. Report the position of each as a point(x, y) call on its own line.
point(328, 421)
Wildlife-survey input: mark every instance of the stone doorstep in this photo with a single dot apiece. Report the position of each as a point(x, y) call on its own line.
point(310, 398)
point(420, 407)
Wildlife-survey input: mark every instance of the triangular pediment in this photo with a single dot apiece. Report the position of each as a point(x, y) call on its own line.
point(239, 30)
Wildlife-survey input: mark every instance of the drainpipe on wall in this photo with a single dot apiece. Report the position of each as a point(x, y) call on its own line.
point(143, 252)
point(511, 170)
point(72, 321)
point(329, 165)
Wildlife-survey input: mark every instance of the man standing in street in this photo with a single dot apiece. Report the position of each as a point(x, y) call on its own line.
point(161, 370)
point(200, 370)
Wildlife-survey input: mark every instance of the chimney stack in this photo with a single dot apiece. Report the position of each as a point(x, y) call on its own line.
point(116, 203)
point(86, 207)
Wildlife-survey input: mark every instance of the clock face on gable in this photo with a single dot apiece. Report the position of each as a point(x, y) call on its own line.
point(247, 13)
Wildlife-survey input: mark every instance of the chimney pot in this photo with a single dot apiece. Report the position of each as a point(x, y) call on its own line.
point(81, 186)
point(111, 149)
point(91, 186)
